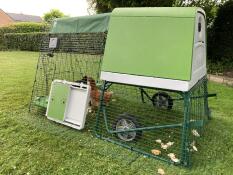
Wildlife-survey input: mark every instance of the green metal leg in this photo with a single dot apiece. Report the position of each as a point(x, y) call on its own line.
point(100, 109)
point(185, 159)
point(206, 105)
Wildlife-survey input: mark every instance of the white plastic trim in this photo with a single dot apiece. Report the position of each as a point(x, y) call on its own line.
point(162, 83)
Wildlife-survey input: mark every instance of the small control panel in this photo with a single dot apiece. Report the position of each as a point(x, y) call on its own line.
point(53, 43)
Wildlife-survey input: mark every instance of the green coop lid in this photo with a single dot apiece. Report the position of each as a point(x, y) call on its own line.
point(153, 42)
point(188, 12)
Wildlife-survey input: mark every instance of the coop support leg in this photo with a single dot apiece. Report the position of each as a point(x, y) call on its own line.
point(206, 105)
point(185, 159)
point(100, 109)
point(142, 95)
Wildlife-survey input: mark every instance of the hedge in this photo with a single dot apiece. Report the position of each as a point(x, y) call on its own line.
point(24, 41)
point(25, 27)
point(221, 41)
point(22, 27)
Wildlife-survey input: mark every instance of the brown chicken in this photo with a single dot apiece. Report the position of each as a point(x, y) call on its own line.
point(96, 93)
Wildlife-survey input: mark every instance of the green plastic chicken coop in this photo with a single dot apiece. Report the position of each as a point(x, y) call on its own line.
point(155, 65)
point(151, 74)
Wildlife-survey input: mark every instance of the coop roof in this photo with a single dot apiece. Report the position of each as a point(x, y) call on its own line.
point(83, 24)
point(184, 12)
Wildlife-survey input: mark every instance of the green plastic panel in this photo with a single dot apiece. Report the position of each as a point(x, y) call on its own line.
point(58, 100)
point(154, 46)
point(157, 11)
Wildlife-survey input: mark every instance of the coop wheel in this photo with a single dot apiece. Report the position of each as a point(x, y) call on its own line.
point(125, 122)
point(50, 54)
point(162, 100)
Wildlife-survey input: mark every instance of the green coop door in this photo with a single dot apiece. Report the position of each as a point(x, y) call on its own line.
point(57, 102)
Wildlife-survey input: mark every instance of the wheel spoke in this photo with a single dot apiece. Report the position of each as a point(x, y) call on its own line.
point(131, 125)
point(124, 123)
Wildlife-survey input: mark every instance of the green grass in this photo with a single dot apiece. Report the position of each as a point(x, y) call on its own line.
point(34, 145)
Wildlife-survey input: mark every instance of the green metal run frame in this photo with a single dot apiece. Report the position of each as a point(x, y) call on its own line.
point(76, 55)
point(188, 124)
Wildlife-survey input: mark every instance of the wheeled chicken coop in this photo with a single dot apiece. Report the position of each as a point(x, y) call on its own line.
point(72, 50)
point(149, 90)
point(155, 65)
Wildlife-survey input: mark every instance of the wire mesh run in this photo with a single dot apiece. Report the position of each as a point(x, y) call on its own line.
point(162, 124)
point(76, 56)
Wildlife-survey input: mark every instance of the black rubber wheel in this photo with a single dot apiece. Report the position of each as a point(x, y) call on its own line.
point(126, 121)
point(50, 54)
point(162, 100)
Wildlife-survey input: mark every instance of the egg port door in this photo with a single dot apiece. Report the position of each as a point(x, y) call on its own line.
point(77, 104)
point(57, 101)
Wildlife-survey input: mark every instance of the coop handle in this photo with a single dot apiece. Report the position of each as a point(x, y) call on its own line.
point(199, 43)
point(78, 87)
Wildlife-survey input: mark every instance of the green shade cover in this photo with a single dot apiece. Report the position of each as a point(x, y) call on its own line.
point(83, 24)
point(153, 42)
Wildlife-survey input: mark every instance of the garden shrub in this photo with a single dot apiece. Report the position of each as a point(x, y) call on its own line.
point(22, 27)
point(215, 67)
point(24, 41)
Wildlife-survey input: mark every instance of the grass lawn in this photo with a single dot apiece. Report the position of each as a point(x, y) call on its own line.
point(34, 145)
